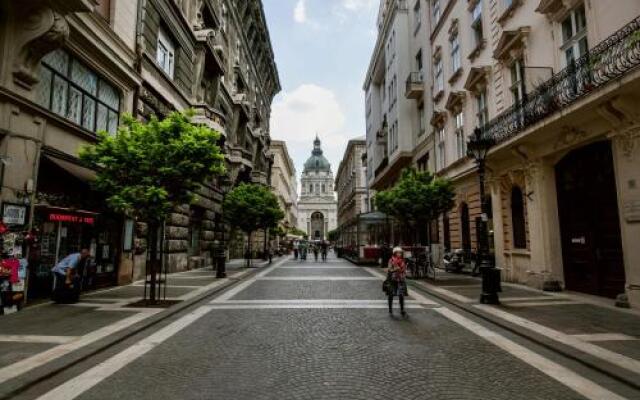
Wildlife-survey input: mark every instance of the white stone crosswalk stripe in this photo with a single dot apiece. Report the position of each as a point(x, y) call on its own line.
point(603, 337)
point(594, 350)
point(317, 278)
point(579, 384)
point(85, 381)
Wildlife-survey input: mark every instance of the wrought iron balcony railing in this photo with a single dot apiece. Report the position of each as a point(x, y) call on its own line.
point(609, 60)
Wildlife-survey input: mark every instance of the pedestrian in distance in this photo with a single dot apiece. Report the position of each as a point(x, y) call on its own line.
point(324, 247)
point(397, 279)
point(315, 252)
point(295, 250)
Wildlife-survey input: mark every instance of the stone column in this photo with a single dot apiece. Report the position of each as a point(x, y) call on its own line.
point(544, 226)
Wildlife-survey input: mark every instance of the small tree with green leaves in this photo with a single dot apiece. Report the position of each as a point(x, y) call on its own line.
point(416, 199)
point(250, 207)
point(149, 168)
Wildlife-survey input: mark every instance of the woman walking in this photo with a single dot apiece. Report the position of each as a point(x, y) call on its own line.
point(397, 274)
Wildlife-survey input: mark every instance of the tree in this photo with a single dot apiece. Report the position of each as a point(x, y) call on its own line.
point(250, 207)
point(149, 168)
point(298, 232)
point(417, 198)
point(333, 235)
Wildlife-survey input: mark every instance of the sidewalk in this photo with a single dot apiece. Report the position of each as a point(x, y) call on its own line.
point(587, 328)
point(48, 336)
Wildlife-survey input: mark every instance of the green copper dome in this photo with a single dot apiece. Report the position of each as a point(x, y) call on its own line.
point(317, 162)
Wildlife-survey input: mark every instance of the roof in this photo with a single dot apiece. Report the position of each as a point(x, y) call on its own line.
point(317, 161)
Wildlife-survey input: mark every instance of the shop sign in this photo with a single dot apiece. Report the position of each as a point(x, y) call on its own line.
point(14, 214)
point(72, 218)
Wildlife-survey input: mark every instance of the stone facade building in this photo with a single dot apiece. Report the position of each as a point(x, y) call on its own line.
point(70, 68)
point(351, 183)
point(553, 83)
point(317, 209)
point(284, 183)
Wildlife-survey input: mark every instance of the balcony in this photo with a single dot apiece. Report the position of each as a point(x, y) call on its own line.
point(209, 117)
point(414, 86)
point(609, 60)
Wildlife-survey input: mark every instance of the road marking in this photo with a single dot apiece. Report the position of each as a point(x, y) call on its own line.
point(364, 305)
point(594, 350)
point(85, 381)
point(543, 303)
point(579, 384)
point(37, 339)
point(603, 337)
point(317, 278)
point(310, 301)
point(174, 286)
point(20, 367)
point(533, 298)
point(322, 267)
point(244, 284)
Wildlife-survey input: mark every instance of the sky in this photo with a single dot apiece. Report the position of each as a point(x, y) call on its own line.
point(322, 50)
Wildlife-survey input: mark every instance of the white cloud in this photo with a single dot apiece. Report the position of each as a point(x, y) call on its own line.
point(300, 12)
point(356, 5)
point(299, 114)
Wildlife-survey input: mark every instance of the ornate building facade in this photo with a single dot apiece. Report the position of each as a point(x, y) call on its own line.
point(553, 84)
point(351, 182)
point(284, 183)
point(70, 68)
point(317, 207)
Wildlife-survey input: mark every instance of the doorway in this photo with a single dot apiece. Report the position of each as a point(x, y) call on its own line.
point(589, 221)
point(465, 228)
point(317, 226)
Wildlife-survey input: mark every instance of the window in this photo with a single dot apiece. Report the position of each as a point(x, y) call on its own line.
point(517, 219)
point(419, 61)
point(460, 139)
point(324, 190)
point(165, 53)
point(441, 148)
point(454, 41)
point(311, 188)
point(574, 35)
point(517, 81)
point(476, 25)
point(421, 120)
point(437, 12)
point(70, 89)
point(423, 163)
point(438, 77)
point(482, 111)
point(417, 17)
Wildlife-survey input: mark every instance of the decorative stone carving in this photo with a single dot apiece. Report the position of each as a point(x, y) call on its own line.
point(569, 135)
point(624, 118)
point(40, 27)
point(43, 30)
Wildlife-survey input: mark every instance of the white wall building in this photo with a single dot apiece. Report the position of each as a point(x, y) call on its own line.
point(317, 207)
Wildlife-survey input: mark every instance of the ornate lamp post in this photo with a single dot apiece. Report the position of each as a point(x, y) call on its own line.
point(478, 148)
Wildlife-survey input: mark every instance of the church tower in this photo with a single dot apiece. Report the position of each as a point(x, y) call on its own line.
point(317, 207)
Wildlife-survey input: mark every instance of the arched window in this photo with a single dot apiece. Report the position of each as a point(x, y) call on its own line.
point(517, 219)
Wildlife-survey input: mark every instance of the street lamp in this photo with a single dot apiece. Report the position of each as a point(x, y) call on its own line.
point(478, 148)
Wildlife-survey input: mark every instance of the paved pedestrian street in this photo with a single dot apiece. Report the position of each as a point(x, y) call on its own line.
point(313, 330)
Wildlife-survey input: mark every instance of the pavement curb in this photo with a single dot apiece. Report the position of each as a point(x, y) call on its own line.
point(595, 363)
point(24, 382)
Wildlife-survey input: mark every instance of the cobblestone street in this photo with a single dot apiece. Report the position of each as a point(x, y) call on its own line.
point(313, 330)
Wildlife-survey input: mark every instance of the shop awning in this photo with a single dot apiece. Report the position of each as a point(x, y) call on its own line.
point(80, 172)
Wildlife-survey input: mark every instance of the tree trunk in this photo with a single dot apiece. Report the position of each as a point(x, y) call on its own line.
point(153, 260)
point(247, 253)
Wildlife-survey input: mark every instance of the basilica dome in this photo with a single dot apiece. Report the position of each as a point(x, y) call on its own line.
point(317, 162)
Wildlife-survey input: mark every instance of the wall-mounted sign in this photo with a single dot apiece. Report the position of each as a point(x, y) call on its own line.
point(72, 218)
point(14, 214)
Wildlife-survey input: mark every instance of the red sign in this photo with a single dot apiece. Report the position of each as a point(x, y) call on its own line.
point(77, 219)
